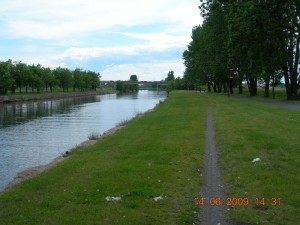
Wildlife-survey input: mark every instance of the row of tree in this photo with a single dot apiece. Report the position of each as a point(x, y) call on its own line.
point(18, 76)
point(245, 41)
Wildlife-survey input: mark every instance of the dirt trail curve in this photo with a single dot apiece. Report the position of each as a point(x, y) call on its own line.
point(212, 186)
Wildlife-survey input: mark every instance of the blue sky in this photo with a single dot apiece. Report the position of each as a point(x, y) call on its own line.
point(116, 38)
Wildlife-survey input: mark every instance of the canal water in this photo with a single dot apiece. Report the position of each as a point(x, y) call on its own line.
point(34, 133)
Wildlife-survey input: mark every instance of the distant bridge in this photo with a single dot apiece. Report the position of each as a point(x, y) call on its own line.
point(143, 85)
point(149, 85)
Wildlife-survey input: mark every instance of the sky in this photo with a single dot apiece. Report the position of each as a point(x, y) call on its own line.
point(116, 38)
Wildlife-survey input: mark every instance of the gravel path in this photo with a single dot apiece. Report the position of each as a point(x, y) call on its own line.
point(212, 187)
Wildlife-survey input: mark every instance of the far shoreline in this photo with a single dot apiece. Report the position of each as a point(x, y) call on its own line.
point(50, 96)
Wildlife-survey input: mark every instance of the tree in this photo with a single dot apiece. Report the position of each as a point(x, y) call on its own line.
point(64, 77)
point(290, 64)
point(20, 74)
point(48, 78)
point(78, 79)
point(207, 55)
point(95, 80)
point(133, 78)
point(170, 76)
point(120, 86)
point(245, 40)
point(35, 78)
point(6, 80)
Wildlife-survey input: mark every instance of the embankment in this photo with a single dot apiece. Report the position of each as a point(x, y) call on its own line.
point(150, 167)
point(49, 96)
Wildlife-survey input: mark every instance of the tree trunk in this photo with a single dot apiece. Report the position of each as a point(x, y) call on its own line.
point(225, 88)
point(253, 86)
point(209, 87)
point(240, 87)
point(267, 87)
point(287, 82)
point(219, 87)
point(231, 85)
point(215, 87)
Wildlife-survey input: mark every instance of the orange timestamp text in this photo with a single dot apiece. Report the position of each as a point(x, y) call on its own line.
point(233, 201)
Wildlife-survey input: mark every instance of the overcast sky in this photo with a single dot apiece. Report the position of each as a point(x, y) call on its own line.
point(114, 37)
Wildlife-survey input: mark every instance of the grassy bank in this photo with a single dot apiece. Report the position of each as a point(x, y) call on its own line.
point(249, 130)
point(280, 94)
point(158, 155)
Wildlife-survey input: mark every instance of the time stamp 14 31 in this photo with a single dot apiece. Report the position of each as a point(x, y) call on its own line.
point(232, 202)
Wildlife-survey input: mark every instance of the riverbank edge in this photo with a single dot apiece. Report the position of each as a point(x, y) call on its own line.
point(36, 170)
point(50, 96)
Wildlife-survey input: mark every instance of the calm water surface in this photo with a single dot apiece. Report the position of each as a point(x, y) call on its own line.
point(34, 133)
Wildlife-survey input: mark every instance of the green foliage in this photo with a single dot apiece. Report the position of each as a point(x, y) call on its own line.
point(170, 76)
point(133, 78)
point(64, 77)
point(6, 79)
point(253, 39)
point(173, 83)
point(124, 86)
point(170, 86)
point(18, 75)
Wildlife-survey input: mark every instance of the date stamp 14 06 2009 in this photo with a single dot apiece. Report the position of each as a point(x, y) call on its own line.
point(233, 202)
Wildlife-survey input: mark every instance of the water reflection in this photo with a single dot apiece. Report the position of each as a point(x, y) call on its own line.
point(34, 133)
point(21, 112)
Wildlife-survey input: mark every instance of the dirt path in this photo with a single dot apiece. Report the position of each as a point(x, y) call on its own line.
point(212, 187)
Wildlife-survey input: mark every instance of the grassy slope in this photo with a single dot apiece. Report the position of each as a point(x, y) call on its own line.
point(156, 155)
point(159, 155)
point(247, 130)
point(280, 94)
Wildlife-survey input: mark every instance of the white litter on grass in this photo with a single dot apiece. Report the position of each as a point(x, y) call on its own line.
point(112, 199)
point(158, 198)
point(256, 160)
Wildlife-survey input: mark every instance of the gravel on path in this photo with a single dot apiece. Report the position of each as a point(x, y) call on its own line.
point(212, 188)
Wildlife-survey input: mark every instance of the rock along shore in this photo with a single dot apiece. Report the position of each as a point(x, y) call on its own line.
point(36, 97)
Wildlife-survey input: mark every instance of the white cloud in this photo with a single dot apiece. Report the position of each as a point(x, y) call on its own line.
point(56, 19)
point(157, 42)
point(151, 71)
point(71, 32)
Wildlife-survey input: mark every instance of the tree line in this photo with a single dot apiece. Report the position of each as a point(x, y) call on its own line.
point(128, 86)
point(22, 77)
point(245, 41)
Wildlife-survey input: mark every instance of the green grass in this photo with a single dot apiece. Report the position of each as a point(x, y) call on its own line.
point(280, 94)
point(248, 130)
point(155, 155)
point(160, 155)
